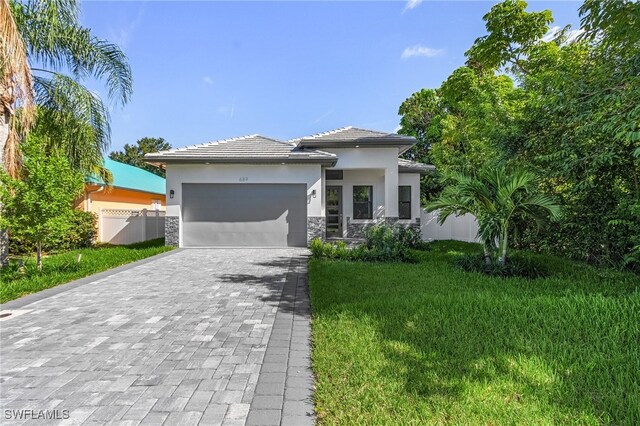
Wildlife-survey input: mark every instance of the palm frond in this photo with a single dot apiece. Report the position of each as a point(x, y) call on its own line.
point(16, 87)
point(58, 41)
point(75, 120)
point(541, 202)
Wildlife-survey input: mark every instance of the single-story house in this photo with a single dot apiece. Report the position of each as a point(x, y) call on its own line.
point(133, 190)
point(261, 192)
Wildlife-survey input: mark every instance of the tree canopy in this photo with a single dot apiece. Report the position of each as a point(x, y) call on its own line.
point(565, 105)
point(134, 154)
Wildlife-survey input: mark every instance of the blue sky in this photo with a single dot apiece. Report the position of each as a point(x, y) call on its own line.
point(211, 70)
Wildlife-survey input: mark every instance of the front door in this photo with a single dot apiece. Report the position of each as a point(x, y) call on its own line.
point(334, 211)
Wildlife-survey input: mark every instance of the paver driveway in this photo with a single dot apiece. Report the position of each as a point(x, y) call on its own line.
point(190, 337)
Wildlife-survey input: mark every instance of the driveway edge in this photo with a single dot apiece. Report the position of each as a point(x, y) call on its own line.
point(61, 288)
point(284, 392)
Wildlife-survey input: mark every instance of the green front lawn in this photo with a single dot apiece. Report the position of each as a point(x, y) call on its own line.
point(61, 268)
point(428, 344)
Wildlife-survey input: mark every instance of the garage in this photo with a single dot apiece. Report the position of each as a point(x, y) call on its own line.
point(244, 215)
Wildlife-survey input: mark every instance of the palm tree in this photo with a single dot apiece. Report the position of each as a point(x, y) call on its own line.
point(495, 196)
point(45, 54)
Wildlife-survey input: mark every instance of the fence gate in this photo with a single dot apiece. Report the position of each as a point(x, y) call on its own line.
point(122, 226)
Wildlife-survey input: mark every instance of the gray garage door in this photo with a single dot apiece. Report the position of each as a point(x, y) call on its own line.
point(249, 215)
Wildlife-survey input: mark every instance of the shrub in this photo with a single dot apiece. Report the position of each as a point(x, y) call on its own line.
point(327, 250)
point(390, 244)
point(517, 265)
point(383, 244)
point(317, 248)
point(82, 233)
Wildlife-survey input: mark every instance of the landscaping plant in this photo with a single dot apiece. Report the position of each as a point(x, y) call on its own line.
point(38, 204)
point(383, 243)
point(561, 101)
point(495, 196)
point(45, 57)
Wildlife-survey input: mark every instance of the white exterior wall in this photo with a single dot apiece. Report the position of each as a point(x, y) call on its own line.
point(377, 167)
point(374, 158)
point(177, 174)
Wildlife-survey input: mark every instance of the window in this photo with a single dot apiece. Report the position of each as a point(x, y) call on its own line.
point(333, 174)
point(404, 202)
point(156, 204)
point(362, 202)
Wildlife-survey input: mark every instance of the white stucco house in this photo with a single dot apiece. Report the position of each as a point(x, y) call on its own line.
point(261, 192)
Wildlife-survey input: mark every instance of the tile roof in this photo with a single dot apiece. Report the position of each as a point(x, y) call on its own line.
point(131, 177)
point(408, 166)
point(251, 148)
point(354, 134)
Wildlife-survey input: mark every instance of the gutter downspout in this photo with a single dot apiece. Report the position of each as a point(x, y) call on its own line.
point(87, 197)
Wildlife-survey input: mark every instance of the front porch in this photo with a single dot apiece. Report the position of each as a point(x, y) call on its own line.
point(355, 199)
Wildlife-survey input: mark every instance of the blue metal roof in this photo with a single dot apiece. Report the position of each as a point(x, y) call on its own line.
point(129, 177)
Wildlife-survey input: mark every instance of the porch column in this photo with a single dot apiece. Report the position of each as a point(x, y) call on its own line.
point(391, 193)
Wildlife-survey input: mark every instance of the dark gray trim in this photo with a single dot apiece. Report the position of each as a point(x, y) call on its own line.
point(201, 159)
point(421, 170)
point(36, 297)
point(284, 391)
point(362, 143)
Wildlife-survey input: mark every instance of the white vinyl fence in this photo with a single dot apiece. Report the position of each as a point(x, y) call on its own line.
point(119, 226)
point(460, 228)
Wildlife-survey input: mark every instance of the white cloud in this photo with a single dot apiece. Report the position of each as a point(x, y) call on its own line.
point(553, 32)
point(227, 111)
point(323, 116)
point(122, 35)
point(412, 4)
point(550, 34)
point(419, 50)
point(207, 80)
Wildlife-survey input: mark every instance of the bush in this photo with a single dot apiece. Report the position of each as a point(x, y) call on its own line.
point(517, 266)
point(82, 234)
point(328, 250)
point(84, 231)
point(383, 244)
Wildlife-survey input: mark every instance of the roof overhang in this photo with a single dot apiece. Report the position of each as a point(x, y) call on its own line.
point(401, 142)
point(162, 160)
point(422, 170)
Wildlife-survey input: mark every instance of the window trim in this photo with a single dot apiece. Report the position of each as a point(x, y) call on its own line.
point(401, 203)
point(369, 202)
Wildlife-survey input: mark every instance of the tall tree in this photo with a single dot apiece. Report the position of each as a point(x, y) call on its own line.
point(15, 91)
point(62, 54)
point(134, 154)
point(45, 54)
point(38, 204)
point(572, 117)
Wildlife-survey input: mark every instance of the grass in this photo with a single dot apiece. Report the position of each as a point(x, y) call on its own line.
point(61, 268)
point(427, 343)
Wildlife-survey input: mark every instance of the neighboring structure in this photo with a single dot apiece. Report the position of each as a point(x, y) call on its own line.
point(262, 192)
point(123, 208)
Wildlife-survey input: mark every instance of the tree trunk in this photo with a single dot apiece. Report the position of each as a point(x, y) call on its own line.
point(4, 235)
point(39, 256)
point(487, 254)
point(502, 260)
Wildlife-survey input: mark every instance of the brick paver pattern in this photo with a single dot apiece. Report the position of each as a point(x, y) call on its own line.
point(202, 336)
